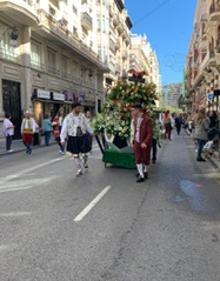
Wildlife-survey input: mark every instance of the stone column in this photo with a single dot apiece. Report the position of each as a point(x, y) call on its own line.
point(96, 89)
point(26, 59)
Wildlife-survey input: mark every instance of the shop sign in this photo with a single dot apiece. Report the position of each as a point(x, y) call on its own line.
point(43, 94)
point(68, 96)
point(58, 97)
point(82, 97)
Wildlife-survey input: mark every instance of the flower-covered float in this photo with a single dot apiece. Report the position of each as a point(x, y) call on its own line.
point(112, 126)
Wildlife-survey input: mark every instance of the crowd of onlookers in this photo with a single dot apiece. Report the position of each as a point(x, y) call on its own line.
point(204, 127)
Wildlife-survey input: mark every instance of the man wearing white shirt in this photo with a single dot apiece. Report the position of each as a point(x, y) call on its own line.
point(8, 132)
point(74, 129)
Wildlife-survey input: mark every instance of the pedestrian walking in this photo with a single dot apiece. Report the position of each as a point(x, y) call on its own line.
point(27, 131)
point(168, 124)
point(156, 137)
point(61, 116)
point(74, 129)
point(8, 132)
point(214, 127)
point(143, 132)
point(201, 133)
point(36, 136)
point(56, 133)
point(178, 124)
point(47, 128)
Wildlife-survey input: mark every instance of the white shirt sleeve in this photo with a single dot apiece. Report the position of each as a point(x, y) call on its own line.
point(63, 134)
point(88, 126)
point(22, 126)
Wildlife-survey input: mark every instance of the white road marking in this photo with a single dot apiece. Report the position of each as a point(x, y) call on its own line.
point(15, 189)
point(92, 204)
point(15, 214)
point(7, 247)
point(11, 177)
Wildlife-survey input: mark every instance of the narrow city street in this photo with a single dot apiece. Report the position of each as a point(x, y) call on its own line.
point(104, 226)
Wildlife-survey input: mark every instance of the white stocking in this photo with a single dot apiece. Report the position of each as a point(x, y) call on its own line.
point(140, 170)
point(145, 168)
point(77, 163)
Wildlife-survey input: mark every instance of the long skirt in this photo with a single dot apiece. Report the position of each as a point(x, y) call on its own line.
point(28, 139)
point(77, 145)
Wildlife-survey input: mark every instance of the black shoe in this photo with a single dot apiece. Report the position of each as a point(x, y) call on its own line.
point(137, 175)
point(146, 176)
point(140, 179)
point(86, 166)
point(201, 160)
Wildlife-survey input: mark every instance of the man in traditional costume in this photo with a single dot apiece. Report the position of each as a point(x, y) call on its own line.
point(74, 129)
point(28, 128)
point(142, 141)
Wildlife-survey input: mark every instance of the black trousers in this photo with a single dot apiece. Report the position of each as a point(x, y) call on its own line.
point(8, 142)
point(178, 129)
point(154, 150)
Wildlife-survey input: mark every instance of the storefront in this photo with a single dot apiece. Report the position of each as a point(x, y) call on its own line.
point(46, 103)
point(11, 96)
point(86, 98)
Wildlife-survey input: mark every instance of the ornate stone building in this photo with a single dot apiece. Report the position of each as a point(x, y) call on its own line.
point(49, 57)
point(203, 62)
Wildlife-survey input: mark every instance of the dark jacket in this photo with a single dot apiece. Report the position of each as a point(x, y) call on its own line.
point(146, 131)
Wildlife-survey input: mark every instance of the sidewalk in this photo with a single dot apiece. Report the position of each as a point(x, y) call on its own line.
point(18, 146)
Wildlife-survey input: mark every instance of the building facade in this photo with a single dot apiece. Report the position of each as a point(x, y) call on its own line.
point(119, 26)
point(48, 57)
point(55, 52)
point(144, 58)
point(172, 94)
point(203, 62)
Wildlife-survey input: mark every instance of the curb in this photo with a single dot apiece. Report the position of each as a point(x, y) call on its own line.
point(23, 149)
point(214, 163)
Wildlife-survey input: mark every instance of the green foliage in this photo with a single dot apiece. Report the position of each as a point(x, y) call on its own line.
point(116, 116)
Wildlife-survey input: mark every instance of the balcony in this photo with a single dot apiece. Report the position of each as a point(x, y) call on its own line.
point(214, 11)
point(53, 70)
point(120, 27)
point(37, 65)
point(22, 11)
point(111, 11)
point(112, 45)
point(51, 29)
point(125, 55)
point(8, 55)
point(218, 46)
point(86, 21)
point(116, 20)
point(117, 69)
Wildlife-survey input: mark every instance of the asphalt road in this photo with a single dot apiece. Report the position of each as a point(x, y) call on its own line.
point(105, 227)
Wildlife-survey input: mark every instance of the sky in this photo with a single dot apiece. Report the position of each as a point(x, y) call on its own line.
point(168, 25)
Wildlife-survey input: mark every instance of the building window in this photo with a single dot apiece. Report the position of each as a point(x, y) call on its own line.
point(7, 50)
point(52, 11)
point(64, 66)
point(51, 61)
point(75, 10)
point(35, 54)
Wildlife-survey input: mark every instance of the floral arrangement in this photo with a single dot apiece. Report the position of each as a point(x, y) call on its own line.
point(116, 116)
